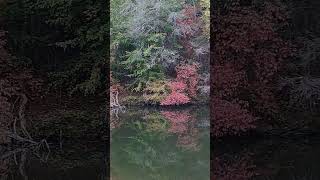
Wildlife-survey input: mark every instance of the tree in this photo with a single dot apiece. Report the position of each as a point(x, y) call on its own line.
point(177, 95)
point(17, 87)
point(66, 39)
point(300, 83)
point(248, 56)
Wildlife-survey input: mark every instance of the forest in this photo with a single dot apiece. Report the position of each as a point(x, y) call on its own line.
point(252, 63)
point(160, 52)
point(264, 89)
point(265, 70)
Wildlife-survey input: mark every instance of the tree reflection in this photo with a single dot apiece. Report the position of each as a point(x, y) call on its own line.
point(159, 145)
point(10, 159)
point(237, 168)
point(272, 159)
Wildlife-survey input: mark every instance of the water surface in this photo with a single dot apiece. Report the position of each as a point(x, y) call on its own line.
point(166, 144)
point(161, 144)
point(151, 144)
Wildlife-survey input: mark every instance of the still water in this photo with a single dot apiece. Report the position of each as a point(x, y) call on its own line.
point(72, 162)
point(151, 144)
point(166, 144)
point(273, 158)
point(161, 144)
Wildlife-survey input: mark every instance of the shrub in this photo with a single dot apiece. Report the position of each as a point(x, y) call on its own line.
point(188, 75)
point(248, 57)
point(177, 95)
point(155, 92)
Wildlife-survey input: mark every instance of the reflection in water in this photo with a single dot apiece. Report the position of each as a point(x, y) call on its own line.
point(155, 144)
point(238, 168)
point(267, 159)
point(73, 162)
point(149, 144)
point(16, 157)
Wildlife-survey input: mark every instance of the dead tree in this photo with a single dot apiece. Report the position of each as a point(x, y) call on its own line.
point(114, 96)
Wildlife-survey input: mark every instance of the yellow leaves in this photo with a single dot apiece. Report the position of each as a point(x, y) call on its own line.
point(155, 91)
point(155, 123)
point(205, 4)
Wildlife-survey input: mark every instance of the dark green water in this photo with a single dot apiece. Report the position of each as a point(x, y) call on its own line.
point(290, 158)
point(155, 144)
point(167, 144)
point(163, 144)
point(151, 144)
point(73, 162)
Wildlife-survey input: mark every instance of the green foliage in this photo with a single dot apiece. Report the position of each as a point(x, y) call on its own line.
point(149, 38)
point(63, 37)
point(132, 100)
point(146, 17)
point(205, 4)
point(141, 71)
point(156, 123)
point(155, 92)
point(141, 40)
point(72, 123)
point(144, 148)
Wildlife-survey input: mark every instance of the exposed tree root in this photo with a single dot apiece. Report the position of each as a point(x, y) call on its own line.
point(25, 138)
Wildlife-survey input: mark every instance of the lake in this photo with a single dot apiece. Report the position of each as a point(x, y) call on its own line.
point(161, 144)
point(274, 158)
point(147, 143)
point(166, 144)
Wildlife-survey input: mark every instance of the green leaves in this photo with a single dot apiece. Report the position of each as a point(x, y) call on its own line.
point(145, 42)
point(142, 67)
point(157, 38)
point(67, 38)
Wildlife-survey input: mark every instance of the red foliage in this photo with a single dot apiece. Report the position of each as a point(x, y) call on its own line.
point(238, 169)
point(178, 121)
point(177, 96)
point(248, 57)
point(114, 86)
point(181, 123)
point(227, 80)
point(175, 117)
point(230, 118)
point(188, 74)
point(185, 84)
point(189, 23)
point(177, 86)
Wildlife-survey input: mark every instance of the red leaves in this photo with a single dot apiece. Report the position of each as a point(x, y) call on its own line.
point(188, 74)
point(180, 124)
point(175, 98)
point(177, 86)
point(184, 86)
point(248, 57)
point(189, 23)
point(227, 80)
point(174, 117)
point(230, 118)
point(241, 168)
